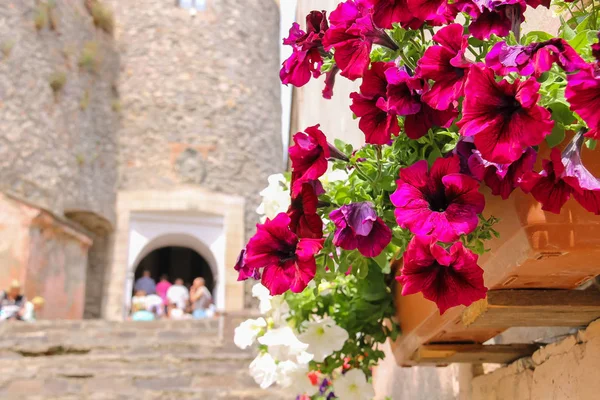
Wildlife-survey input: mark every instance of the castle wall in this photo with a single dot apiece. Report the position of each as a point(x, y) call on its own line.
point(200, 96)
point(58, 146)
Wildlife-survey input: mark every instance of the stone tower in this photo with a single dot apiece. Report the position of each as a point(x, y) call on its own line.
point(163, 133)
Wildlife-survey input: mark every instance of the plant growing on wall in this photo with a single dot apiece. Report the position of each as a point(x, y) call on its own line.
point(446, 108)
point(57, 81)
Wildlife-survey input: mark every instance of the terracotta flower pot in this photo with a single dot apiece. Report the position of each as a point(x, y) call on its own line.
point(536, 249)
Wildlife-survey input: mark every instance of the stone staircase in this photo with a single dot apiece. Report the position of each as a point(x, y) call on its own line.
point(103, 360)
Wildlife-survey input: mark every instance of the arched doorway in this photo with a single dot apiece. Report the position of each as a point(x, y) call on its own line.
point(176, 262)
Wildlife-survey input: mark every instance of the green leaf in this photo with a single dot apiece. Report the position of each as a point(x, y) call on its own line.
point(381, 259)
point(561, 113)
point(580, 41)
point(566, 32)
point(591, 144)
point(434, 155)
point(557, 135)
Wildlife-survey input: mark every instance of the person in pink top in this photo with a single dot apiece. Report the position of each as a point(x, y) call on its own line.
point(162, 287)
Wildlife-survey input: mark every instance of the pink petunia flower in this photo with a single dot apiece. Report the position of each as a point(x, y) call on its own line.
point(493, 16)
point(533, 59)
point(377, 121)
point(359, 227)
point(562, 176)
point(548, 187)
point(404, 98)
point(447, 277)
point(287, 262)
point(447, 66)
point(583, 93)
point(306, 59)
point(596, 49)
point(388, 12)
point(441, 202)
point(501, 178)
point(245, 272)
point(503, 117)
point(434, 12)
point(309, 157)
point(352, 35)
point(304, 220)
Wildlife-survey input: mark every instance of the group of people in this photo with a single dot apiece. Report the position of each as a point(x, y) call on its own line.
point(153, 300)
point(14, 306)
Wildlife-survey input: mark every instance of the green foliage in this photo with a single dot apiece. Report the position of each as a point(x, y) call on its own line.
point(364, 307)
point(57, 81)
point(40, 16)
point(89, 59)
point(85, 100)
point(103, 17)
point(6, 48)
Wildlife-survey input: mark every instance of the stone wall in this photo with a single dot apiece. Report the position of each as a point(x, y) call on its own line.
point(46, 254)
point(200, 96)
point(561, 371)
point(57, 106)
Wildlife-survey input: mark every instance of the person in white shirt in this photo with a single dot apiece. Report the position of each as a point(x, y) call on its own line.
point(178, 294)
point(32, 308)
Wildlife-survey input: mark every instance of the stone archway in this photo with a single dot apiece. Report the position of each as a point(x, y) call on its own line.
point(211, 224)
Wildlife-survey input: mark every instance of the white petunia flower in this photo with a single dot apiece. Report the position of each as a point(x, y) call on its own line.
point(276, 197)
point(264, 370)
point(284, 345)
point(263, 296)
point(295, 377)
point(246, 333)
point(353, 385)
point(323, 338)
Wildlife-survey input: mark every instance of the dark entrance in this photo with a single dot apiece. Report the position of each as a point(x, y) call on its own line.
point(176, 262)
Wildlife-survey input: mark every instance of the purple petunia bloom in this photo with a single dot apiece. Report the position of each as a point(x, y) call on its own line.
point(287, 262)
point(359, 227)
point(441, 202)
point(504, 118)
point(447, 277)
point(493, 16)
point(533, 59)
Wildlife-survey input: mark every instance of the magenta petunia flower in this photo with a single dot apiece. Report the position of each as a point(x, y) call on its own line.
point(304, 220)
point(501, 178)
point(287, 262)
point(308, 156)
point(503, 117)
point(493, 16)
point(388, 12)
point(359, 227)
point(533, 59)
point(404, 98)
point(586, 187)
point(245, 272)
point(377, 121)
point(583, 93)
point(596, 49)
point(447, 277)
point(562, 176)
point(446, 66)
point(434, 12)
point(306, 60)
point(352, 35)
point(441, 202)
point(548, 187)
point(330, 81)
